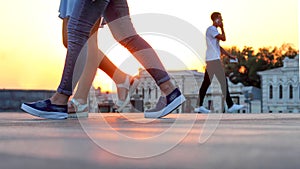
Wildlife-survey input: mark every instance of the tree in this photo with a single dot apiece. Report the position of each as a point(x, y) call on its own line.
point(245, 71)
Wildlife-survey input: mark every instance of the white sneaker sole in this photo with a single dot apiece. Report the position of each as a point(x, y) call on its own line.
point(200, 111)
point(43, 114)
point(235, 110)
point(78, 115)
point(166, 110)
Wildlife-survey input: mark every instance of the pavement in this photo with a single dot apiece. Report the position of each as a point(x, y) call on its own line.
point(128, 141)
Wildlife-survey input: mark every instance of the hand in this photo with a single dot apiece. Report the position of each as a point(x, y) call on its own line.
point(221, 25)
point(233, 57)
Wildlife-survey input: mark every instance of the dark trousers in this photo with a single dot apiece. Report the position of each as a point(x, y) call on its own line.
point(214, 68)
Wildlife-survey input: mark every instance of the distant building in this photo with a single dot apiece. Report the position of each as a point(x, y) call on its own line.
point(11, 100)
point(101, 102)
point(281, 89)
point(253, 99)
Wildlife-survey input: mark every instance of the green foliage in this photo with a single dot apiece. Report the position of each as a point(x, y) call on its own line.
point(250, 62)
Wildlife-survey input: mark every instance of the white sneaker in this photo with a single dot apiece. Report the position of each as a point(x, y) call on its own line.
point(161, 103)
point(201, 109)
point(81, 110)
point(130, 86)
point(235, 107)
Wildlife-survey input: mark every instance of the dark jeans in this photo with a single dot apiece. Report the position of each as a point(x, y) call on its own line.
point(116, 14)
point(214, 68)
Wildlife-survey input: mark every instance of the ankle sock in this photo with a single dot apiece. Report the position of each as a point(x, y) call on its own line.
point(173, 95)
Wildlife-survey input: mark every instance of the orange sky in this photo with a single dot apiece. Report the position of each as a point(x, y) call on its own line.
point(32, 55)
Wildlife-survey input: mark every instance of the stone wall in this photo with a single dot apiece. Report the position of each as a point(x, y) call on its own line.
point(11, 100)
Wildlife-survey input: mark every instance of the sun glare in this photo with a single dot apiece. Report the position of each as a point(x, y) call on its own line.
point(32, 54)
point(242, 69)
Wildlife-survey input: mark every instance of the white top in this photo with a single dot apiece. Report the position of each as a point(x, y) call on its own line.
point(213, 51)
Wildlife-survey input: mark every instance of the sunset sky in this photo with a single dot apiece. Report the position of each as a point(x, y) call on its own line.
point(32, 54)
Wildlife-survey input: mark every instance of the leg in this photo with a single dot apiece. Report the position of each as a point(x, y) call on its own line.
point(105, 64)
point(208, 76)
point(228, 97)
point(203, 89)
point(79, 28)
point(224, 85)
point(119, 22)
point(220, 74)
point(96, 58)
point(64, 31)
point(117, 75)
point(85, 14)
point(61, 98)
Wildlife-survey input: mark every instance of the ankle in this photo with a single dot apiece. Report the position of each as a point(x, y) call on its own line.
point(80, 100)
point(167, 87)
point(173, 95)
point(120, 77)
point(59, 99)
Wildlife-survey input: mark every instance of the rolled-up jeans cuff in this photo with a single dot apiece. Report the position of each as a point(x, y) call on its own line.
point(163, 80)
point(65, 92)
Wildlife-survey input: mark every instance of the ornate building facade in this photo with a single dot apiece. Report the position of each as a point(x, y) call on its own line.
point(281, 89)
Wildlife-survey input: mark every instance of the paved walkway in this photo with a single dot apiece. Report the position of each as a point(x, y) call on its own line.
point(227, 141)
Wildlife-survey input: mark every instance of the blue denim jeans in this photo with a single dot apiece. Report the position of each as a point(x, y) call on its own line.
point(116, 13)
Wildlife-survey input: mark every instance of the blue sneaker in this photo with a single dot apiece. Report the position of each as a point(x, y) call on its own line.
point(166, 105)
point(45, 109)
point(161, 103)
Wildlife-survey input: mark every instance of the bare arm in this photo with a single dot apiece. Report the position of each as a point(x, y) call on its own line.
point(221, 36)
point(224, 52)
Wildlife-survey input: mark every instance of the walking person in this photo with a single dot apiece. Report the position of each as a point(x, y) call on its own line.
point(214, 66)
point(116, 14)
point(125, 83)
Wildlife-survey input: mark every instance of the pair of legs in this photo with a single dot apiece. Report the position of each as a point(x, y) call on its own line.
point(105, 65)
point(214, 68)
point(116, 14)
point(84, 16)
